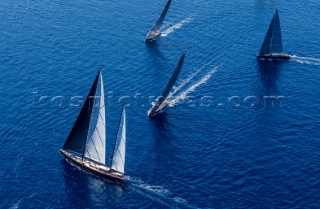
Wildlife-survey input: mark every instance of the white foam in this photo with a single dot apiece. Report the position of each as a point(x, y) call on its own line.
point(16, 205)
point(306, 60)
point(157, 193)
point(192, 88)
point(150, 196)
point(151, 188)
point(180, 200)
point(171, 29)
point(189, 78)
point(166, 25)
point(155, 189)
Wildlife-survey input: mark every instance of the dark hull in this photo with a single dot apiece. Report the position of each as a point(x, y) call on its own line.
point(155, 113)
point(277, 56)
point(159, 111)
point(151, 37)
point(99, 170)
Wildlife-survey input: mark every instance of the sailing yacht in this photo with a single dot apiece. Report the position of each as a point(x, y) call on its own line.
point(155, 32)
point(272, 44)
point(161, 103)
point(85, 146)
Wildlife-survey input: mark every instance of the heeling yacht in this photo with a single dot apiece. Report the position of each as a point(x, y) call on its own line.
point(161, 103)
point(155, 32)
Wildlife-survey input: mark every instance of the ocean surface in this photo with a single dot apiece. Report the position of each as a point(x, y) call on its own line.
point(238, 133)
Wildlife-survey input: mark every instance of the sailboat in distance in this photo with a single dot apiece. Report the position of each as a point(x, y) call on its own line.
point(161, 103)
point(155, 32)
point(272, 44)
point(85, 146)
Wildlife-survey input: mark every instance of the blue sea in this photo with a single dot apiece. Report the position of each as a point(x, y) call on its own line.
point(239, 133)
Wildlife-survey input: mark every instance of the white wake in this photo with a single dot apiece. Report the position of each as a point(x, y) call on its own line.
point(190, 77)
point(17, 204)
point(180, 97)
point(171, 29)
point(306, 60)
point(157, 193)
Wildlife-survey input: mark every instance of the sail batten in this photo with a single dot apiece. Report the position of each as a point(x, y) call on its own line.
point(118, 156)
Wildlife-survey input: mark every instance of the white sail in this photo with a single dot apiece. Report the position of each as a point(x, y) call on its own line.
point(118, 158)
point(96, 140)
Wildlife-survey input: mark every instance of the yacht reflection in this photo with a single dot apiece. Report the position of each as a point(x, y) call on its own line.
point(84, 190)
point(163, 150)
point(155, 52)
point(269, 77)
point(161, 126)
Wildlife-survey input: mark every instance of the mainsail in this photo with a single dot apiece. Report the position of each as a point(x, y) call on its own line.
point(273, 40)
point(86, 143)
point(169, 86)
point(96, 138)
point(119, 151)
point(162, 16)
point(76, 140)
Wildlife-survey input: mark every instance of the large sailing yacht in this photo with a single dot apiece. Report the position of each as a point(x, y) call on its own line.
point(161, 103)
point(155, 32)
point(85, 146)
point(272, 44)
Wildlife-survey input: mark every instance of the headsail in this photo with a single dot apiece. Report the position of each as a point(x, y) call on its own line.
point(77, 138)
point(169, 86)
point(161, 18)
point(273, 40)
point(96, 138)
point(119, 151)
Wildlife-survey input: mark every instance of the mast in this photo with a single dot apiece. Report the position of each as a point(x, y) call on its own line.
point(119, 149)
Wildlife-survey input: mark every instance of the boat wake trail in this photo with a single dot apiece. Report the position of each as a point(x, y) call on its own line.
point(190, 77)
point(306, 60)
point(16, 205)
point(180, 97)
point(167, 31)
point(158, 194)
